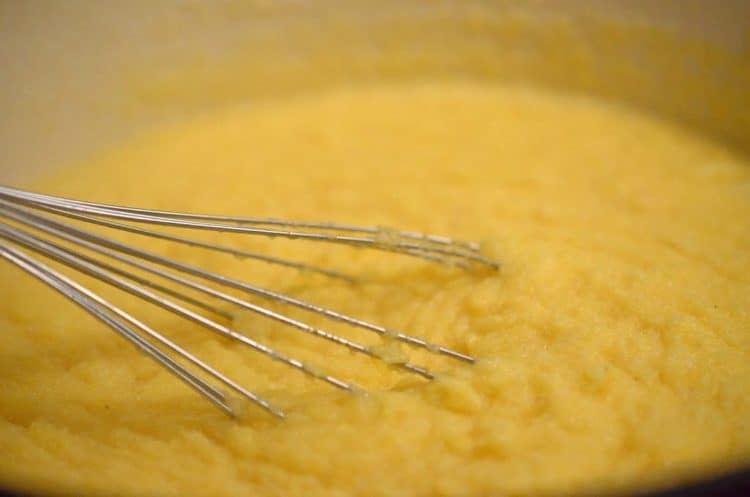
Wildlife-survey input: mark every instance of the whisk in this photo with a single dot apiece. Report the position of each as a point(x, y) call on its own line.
point(35, 222)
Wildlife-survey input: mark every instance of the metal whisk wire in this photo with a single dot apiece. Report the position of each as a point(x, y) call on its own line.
point(32, 221)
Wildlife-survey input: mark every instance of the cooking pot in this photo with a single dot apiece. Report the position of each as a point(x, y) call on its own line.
point(78, 75)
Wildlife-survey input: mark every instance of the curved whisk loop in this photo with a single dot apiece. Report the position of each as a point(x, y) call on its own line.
point(33, 223)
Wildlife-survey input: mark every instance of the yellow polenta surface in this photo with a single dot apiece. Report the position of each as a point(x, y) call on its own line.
point(614, 345)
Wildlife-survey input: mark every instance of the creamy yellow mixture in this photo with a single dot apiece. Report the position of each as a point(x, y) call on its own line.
point(613, 346)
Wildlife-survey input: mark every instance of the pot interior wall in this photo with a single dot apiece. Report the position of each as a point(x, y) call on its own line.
point(79, 75)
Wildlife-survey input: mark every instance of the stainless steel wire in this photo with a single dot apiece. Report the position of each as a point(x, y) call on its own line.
point(35, 223)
